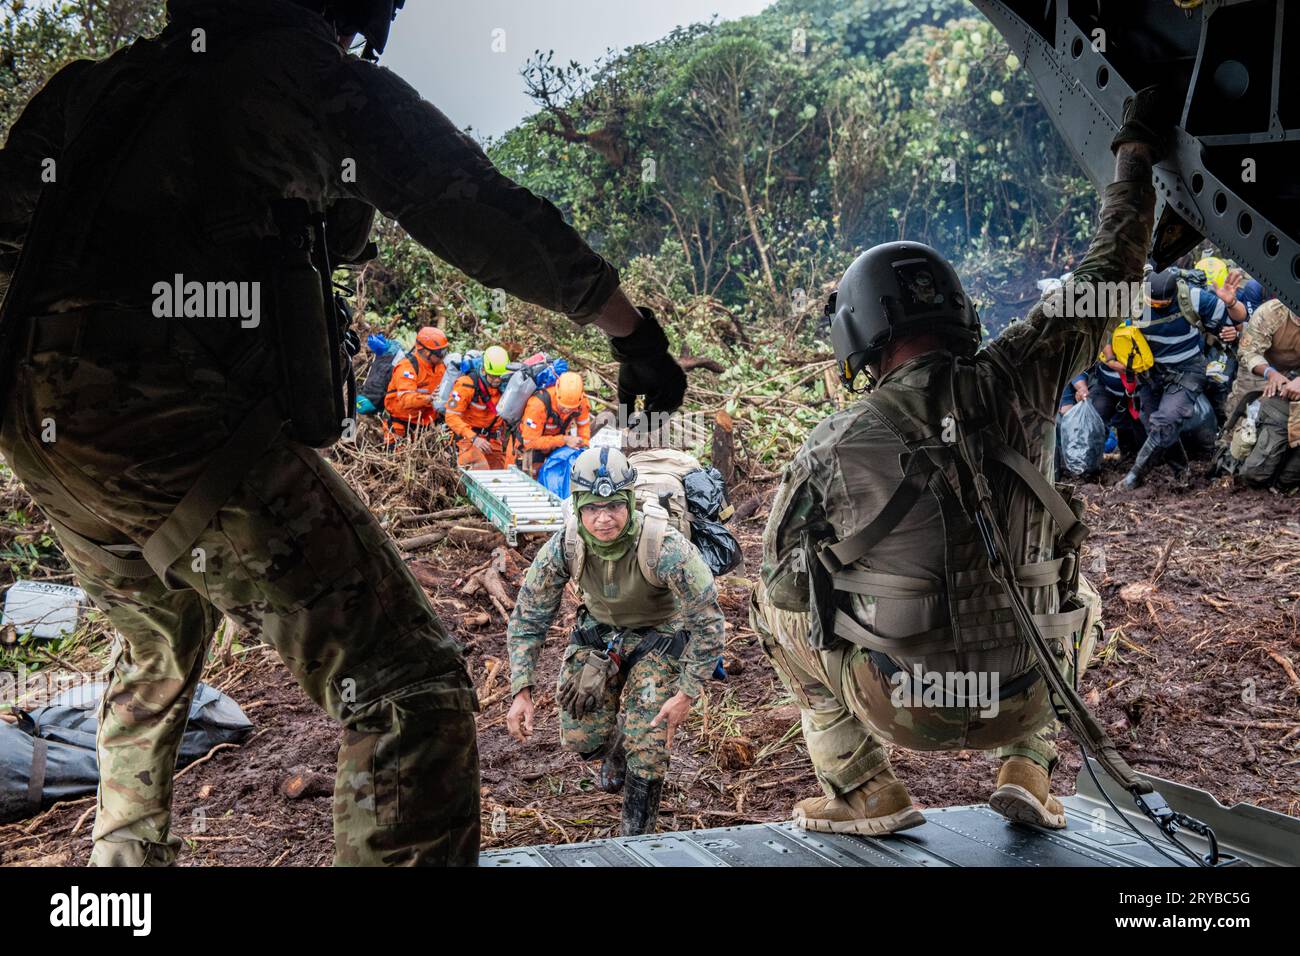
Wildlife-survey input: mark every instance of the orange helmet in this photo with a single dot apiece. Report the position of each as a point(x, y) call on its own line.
point(431, 338)
point(568, 390)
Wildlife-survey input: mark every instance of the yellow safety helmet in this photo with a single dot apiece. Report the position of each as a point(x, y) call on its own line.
point(1215, 269)
point(1127, 340)
point(495, 361)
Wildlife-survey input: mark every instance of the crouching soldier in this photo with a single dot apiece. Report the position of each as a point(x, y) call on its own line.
point(879, 606)
point(649, 625)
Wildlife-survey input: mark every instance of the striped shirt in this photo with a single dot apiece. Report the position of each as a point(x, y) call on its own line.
point(1109, 379)
point(1173, 339)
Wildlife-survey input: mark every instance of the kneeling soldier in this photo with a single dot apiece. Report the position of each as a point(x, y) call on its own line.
point(649, 622)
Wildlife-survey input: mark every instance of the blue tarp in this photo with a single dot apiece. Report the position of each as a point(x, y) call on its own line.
point(555, 470)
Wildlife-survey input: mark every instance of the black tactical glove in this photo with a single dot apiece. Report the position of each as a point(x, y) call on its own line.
point(646, 368)
point(1149, 117)
point(585, 690)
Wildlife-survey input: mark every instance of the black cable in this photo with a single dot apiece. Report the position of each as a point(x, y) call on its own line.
point(1083, 746)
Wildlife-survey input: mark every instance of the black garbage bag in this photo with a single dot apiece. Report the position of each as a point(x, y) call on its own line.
point(706, 493)
point(49, 755)
point(1081, 437)
point(719, 546)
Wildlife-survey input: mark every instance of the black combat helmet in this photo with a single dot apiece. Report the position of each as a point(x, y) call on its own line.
point(894, 291)
point(368, 18)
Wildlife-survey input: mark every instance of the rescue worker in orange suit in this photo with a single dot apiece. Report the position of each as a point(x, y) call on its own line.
point(472, 413)
point(555, 416)
point(414, 383)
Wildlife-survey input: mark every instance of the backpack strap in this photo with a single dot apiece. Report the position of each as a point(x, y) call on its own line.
point(575, 551)
point(916, 477)
point(551, 414)
point(977, 497)
point(654, 528)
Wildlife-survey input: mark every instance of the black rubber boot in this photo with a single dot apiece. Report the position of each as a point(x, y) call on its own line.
point(1146, 458)
point(613, 768)
point(641, 805)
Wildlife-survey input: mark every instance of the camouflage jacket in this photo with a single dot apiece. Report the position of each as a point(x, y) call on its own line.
point(1272, 337)
point(680, 567)
point(269, 108)
point(849, 467)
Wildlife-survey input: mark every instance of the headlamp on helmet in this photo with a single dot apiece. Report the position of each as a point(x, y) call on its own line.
point(603, 472)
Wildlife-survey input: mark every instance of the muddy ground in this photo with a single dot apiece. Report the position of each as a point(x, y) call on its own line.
point(1201, 587)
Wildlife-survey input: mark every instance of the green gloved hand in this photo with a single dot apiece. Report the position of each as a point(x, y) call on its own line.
point(1149, 117)
point(584, 691)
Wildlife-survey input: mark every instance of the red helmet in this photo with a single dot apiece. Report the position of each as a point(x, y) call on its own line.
point(431, 338)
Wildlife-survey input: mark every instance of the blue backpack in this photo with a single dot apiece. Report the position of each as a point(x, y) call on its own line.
point(554, 475)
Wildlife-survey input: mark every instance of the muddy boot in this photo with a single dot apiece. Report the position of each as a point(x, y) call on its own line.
point(879, 806)
point(1024, 795)
point(614, 767)
point(641, 805)
point(1146, 458)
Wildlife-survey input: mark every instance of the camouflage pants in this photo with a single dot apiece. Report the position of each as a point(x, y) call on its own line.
point(848, 707)
point(642, 691)
point(1272, 458)
point(293, 556)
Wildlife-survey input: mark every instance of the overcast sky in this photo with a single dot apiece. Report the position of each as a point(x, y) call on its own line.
point(445, 49)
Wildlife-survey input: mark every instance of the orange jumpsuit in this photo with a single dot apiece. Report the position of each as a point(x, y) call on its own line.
point(541, 432)
point(472, 413)
point(409, 400)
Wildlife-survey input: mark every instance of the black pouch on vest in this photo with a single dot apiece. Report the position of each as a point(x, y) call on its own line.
point(821, 596)
point(307, 334)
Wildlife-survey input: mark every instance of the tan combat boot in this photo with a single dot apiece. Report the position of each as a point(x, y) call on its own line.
point(879, 806)
point(1024, 795)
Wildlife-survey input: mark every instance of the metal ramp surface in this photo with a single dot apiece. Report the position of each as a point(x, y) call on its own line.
point(513, 501)
point(950, 837)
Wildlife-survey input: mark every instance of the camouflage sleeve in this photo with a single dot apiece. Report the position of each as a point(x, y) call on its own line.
point(796, 510)
point(415, 166)
point(682, 568)
point(35, 138)
point(535, 606)
point(1258, 337)
point(1055, 342)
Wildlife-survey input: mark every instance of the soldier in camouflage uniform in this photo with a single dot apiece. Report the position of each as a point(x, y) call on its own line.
point(649, 634)
point(165, 161)
point(1270, 366)
point(877, 606)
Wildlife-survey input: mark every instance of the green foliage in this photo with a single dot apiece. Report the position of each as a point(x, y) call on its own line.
point(768, 157)
point(732, 171)
point(36, 40)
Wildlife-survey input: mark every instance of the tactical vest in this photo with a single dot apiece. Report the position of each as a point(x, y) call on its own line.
point(958, 617)
point(627, 592)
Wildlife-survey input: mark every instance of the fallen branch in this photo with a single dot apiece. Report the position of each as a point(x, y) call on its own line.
point(204, 759)
point(1287, 666)
point(1254, 724)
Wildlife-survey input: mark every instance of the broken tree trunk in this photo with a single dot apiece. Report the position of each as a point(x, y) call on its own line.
point(302, 783)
